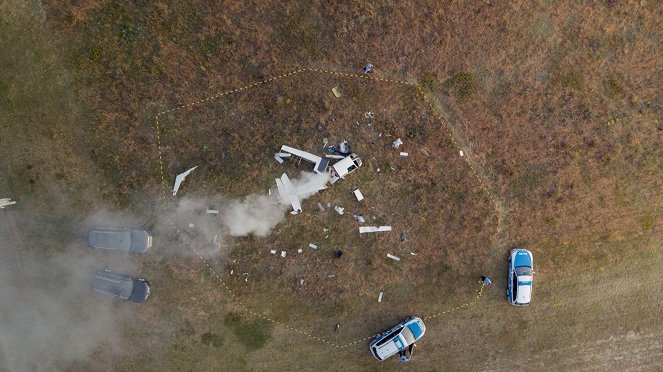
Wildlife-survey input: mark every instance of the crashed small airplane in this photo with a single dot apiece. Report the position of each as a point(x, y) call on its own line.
point(343, 166)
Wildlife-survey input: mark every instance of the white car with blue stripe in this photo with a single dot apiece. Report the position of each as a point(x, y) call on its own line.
point(521, 273)
point(398, 338)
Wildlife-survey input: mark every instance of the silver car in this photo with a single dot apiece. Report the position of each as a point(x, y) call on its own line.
point(135, 241)
point(125, 287)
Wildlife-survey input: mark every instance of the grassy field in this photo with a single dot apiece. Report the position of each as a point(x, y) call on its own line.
point(556, 106)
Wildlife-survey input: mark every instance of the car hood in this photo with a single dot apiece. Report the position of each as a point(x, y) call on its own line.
point(522, 258)
point(524, 290)
point(141, 241)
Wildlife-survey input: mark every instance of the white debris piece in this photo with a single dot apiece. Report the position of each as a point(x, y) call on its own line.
point(370, 229)
point(328, 205)
point(180, 178)
point(380, 297)
point(283, 253)
point(5, 202)
point(412, 253)
point(301, 281)
point(358, 194)
point(321, 207)
point(461, 153)
point(425, 152)
point(300, 250)
point(312, 246)
point(396, 144)
point(273, 251)
point(339, 210)
point(191, 225)
point(404, 154)
point(359, 218)
point(393, 257)
point(278, 158)
point(212, 211)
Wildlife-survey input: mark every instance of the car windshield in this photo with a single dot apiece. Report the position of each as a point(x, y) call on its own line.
point(523, 271)
point(408, 336)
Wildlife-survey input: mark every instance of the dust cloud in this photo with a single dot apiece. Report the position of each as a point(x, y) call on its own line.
point(254, 214)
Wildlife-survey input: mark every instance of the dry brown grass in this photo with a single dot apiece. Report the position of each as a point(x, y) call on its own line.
point(532, 91)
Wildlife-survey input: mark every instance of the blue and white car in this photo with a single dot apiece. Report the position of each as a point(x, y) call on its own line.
point(398, 338)
point(521, 273)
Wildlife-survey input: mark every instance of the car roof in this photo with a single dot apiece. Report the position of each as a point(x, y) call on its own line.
point(112, 284)
point(522, 257)
point(110, 239)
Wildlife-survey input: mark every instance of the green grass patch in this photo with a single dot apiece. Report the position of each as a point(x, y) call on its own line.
point(212, 339)
point(253, 333)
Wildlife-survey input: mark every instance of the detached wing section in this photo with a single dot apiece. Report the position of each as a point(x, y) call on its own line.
point(287, 192)
point(319, 164)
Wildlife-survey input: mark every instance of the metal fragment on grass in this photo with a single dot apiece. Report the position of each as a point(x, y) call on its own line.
point(358, 194)
point(312, 246)
point(339, 210)
point(337, 92)
point(5, 202)
point(380, 297)
point(404, 154)
point(397, 143)
point(393, 257)
point(321, 207)
point(283, 254)
point(273, 251)
point(371, 229)
point(212, 211)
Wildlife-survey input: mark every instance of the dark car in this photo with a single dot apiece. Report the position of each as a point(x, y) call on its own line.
point(118, 285)
point(135, 241)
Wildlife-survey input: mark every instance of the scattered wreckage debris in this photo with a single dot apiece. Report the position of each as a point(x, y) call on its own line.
point(6, 202)
point(393, 257)
point(312, 246)
point(380, 297)
point(397, 143)
point(180, 178)
point(405, 154)
point(337, 92)
point(371, 229)
point(358, 194)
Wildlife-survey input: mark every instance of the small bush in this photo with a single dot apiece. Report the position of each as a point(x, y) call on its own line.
point(573, 80)
point(463, 84)
point(428, 82)
point(647, 222)
point(94, 53)
point(613, 86)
